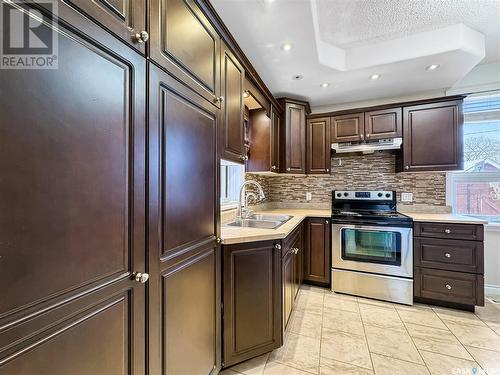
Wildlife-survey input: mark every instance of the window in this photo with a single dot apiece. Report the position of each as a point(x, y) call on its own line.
point(232, 175)
point(476, 190)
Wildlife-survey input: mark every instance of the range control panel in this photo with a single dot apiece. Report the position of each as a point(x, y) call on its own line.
point(378, 195)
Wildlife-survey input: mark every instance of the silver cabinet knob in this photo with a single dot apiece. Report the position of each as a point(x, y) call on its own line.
point(141, 277)
point(447, 231)
point(218, 240)
point(289, 169)
point(295, 250)
point(277, 246)
point(328, 170)
point(326, 221)
point(141, 37)
point(448, 286)
point(447, 255)
point(219, 99)
point(407, 167)
point(273, 167)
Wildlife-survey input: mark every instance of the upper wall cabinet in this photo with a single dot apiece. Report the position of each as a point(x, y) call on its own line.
point(126, 19)
point(294, 136)
point(385, 123)
point(347, 128)
point(183, 41)
point(318, 145)
point(433, 139)
point(232, 78)
point(275, 139)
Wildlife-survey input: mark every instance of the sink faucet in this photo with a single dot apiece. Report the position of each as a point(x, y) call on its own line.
point(243, 213)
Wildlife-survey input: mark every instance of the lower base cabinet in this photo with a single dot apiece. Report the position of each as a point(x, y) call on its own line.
point(251, 300)
point(317, 264)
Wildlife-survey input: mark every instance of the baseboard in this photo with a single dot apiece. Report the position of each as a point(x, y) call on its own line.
point(491, 290)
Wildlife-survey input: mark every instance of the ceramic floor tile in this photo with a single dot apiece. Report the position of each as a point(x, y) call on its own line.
point(275, 368)
point(345, 347)
point(310, 301)
point(458, 316)
point(331, 367)
point(374, 302)
point(422, 317)
point(439, 364)
point(395, 344)
point(416, 306)
point(254, 366)
point(306, 323)
point(391, 366)
point(487, 359)
point(489, 313)
point(229, 372)
point(345, 321)
point(340, 295)
point(312, 289)
point(298, 351)
point(478, 336)
point(381, 317)
point(437, 340)
point(494, 326)
point(340, 303)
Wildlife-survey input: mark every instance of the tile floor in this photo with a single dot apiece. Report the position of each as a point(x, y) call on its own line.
point(337, 334)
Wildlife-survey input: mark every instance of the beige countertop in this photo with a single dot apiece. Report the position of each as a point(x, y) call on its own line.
point(443, 218)
point(232, 235)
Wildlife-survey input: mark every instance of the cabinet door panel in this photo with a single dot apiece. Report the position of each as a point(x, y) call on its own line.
point(287, 274)
point(233, 77)
point(299, 262)
point(124, 18)
point(386, 123)
point(433, 137)
point(183, 41)
point(275, 140)
point(347, 128)
point(295, 133)
point(73, 199)
point(182, 229)
point(317, 251)
point(318, 145)
point(252, 297)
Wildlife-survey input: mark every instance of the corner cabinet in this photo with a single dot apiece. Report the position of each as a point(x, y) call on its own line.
point(252, 300)
point(432, 137)
point(318, 146)
point(294, 136)
point(317, 267)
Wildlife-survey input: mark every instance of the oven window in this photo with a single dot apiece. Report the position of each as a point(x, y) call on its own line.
point(371, 246)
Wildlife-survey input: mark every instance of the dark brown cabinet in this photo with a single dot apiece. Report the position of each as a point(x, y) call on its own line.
point(126, 19)
point(318, 146)
point(275, 139)
point(294, 136)
point(184, 258)
point(384, 123)
point(184, 42)
point(449, 264)
point(317, 251)
point(73, 207)
point(347, 128)
point(298, 247)
point(232, 132)
point(252, 300)
point(433, 137)
point(287, 276)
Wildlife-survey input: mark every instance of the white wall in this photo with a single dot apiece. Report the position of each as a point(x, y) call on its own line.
point(492, 260)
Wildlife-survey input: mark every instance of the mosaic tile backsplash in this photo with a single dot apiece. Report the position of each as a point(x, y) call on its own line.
point(357, 172)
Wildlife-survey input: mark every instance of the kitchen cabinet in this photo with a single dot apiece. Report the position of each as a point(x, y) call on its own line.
point(287, 274)
point(70, 302)
point(449, 264)
point(298, 247)
point(347, 128)
point(184, 257)
point(317, 267)
point(252, 300)
point(233, 131)
point(432, 137)
point(383, 123)
point(294, 136)
point(184, 42)
point(275, 139)
point(318, 146)
point(126, 19)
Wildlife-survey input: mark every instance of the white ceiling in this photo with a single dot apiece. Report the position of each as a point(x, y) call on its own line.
point(343, 42)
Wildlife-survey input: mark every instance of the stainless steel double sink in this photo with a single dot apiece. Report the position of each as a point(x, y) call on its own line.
point(261, 221)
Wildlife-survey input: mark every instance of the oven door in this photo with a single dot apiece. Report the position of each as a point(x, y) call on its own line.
point(375, 249)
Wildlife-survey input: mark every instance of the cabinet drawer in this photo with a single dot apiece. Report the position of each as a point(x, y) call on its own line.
point(449, 286)
point(471, 232)
point(451, 255)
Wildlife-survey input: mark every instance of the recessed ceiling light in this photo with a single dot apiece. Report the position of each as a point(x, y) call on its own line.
point(297, 77)
point(432, 67)
point(325, 85)
point(375, 76)
point(286, 46)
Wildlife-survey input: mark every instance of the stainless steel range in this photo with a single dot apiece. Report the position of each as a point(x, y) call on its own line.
point(372, 246)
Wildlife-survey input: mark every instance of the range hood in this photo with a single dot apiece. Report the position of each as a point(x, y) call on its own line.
point(368, 147)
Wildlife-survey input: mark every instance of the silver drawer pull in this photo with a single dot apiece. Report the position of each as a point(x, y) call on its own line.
point(277, 246)
point(447, 255)
point(448, 286)
point(447, 231)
